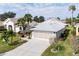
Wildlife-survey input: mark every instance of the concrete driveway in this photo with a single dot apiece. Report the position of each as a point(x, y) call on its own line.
point(35, 47)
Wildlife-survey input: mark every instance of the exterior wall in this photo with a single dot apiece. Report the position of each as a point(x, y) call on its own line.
point(58, 34)
point(47, 35)
point(17, 29)
point(10, 23)
point(14, 28)
point(77, 33)
point(43, 35)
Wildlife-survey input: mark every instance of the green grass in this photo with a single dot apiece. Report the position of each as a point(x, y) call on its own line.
point(68, 51)
point(5, 47)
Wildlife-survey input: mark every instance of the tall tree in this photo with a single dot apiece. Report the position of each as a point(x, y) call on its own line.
point(36, 19)
point(21, 22)
point(2, 17)
point(41, 18)
point(10, 14)
point(72, 8)
point(78, 15)
point(7, 15)
point(28, 18)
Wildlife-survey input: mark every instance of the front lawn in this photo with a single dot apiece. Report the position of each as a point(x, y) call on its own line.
point(67, 51)
point(65, 47)
point(5, 47)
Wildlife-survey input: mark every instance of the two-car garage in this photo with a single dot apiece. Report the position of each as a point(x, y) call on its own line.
point(43, 35)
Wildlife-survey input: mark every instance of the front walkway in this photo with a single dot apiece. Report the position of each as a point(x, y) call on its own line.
point(34, 47)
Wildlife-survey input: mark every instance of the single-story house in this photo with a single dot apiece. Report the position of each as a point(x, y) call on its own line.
point(77, 29)
point(11, 23)
point(48, 29)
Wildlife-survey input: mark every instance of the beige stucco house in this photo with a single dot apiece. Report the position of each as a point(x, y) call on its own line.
point(51, 28)
point(11, 23)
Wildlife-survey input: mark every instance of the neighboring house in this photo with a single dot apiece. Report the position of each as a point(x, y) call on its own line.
point(31, 25)
point(48, 29)
point(77, 29)
point(11, 24)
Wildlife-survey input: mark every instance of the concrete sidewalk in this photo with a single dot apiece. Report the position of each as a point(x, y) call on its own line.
point(35, 47)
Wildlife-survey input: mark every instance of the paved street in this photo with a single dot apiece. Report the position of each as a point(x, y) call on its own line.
point(34, 47)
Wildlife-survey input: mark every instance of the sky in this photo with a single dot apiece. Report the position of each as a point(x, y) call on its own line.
point(40, 9)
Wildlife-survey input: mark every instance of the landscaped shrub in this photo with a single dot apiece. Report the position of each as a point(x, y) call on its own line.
point(2, 30)
point(18, 42)
point(29, 34)
point(59, 47)
point(14, 43)
point(5, 36)
point(76, 46)
point(65, 34)
point(22, 34)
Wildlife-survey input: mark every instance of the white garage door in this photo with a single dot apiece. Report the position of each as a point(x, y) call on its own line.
point(43, 35)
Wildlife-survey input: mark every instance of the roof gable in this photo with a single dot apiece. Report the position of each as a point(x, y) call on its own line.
point(14, 20)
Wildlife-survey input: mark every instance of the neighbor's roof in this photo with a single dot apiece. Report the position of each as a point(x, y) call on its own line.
point(11, 19)
point(77, 25)
point(33, 24)
point(14, 19)
point(1, 23)
point(50, 25)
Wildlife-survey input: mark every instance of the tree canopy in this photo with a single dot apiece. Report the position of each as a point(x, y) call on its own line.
point(78, 15)
point(28, 17)
point(7, 15)
point(39, 19)
point(21, 22)
point(72, 8)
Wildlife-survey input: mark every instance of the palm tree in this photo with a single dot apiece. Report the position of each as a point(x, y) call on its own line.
point(28, 18)
point(11, 34)
point(72, 8)
point(5, 36)
point(21, 22)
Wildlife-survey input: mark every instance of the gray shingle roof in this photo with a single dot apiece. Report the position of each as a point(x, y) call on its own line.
point(50, 25)
point(14, 20)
